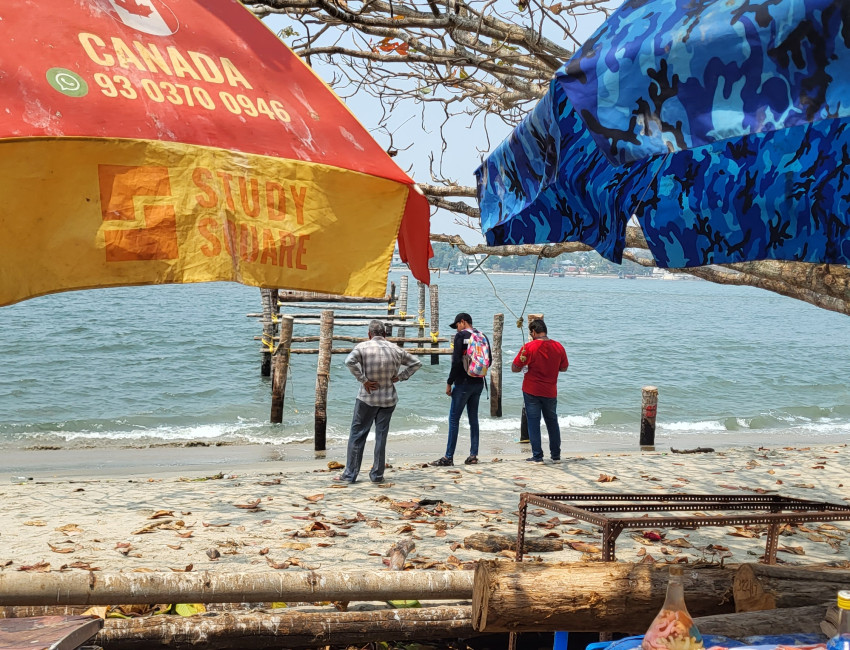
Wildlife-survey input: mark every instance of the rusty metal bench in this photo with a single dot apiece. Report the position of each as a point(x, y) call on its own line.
point(602, 510)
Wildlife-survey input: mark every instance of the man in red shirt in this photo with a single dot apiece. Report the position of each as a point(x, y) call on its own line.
point(541, 360)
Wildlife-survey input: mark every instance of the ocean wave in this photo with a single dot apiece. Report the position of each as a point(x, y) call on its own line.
point(702, 425)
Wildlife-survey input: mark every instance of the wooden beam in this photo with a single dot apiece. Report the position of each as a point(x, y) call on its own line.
point(761, 586)
point(792, 620)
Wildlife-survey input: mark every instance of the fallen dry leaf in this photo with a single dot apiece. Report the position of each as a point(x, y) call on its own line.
point(206, 525)
point(34, 522)
point(40, 567)
point(335, 465)
point(56, 549)
point(796, 550)
point(584, 547)
point(606, 478)
point(315, 497)
point(251, 505)
point(159, 514)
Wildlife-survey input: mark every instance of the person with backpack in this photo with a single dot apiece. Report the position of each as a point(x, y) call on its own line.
point(541, 360)
point(470, 361)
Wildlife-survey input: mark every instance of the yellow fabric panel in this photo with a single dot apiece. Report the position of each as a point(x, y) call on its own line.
point(80, 213)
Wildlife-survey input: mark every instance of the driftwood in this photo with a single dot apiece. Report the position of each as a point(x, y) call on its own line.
point(697, 450)
point(592, 597)
point(398, 553)
point(96, 588)
point(493, 543)
point(761, 586)
point(254, 630)
point(793, 620)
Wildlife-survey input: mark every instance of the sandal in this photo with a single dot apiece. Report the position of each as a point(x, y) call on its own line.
point(472, 460)
point(443, 462)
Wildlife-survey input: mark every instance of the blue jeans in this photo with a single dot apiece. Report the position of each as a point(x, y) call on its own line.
point(464, 396)
point(361, 424)
point(548, 407)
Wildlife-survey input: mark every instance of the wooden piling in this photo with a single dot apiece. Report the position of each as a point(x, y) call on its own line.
point(421, 309)
point(323, 372)
point(435, 320)
point(402, 306)
point(496, 366)
point(269, 308)
point(648, 407)
point(391, 307)
point(280, 364)
point(523, 420)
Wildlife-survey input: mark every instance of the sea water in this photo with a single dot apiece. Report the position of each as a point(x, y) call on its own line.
point(179, 363)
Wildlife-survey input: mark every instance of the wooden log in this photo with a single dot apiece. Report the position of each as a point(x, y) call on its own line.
point(493, 543)
point(695, 450)
point(342, 322)
point(323, 375)
point(280, 364)
point(496, 367)
point(793, 620)
point(97, 588)
point(648, 408)
point(398, 553)
point(285, 629)
point(587, 597)
point(390, 315)
point(435, 319)
point(761, 586)
point(402, 307)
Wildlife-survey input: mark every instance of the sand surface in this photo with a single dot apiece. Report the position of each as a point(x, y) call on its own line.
point(243, 509)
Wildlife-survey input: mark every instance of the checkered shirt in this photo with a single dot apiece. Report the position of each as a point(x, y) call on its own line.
point(380, 360)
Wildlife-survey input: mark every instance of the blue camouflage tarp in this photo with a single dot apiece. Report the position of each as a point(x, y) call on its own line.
point(750, 101)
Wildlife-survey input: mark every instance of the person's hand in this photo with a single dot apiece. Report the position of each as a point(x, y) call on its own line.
point(395, 379)
point(449, 390)
point(522, 356)
point(370, 386)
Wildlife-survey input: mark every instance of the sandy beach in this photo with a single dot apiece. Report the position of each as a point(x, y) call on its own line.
point(255, 512)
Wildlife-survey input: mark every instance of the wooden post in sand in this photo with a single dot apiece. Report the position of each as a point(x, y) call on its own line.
point(280, 364)
point(523, 420)
point(648, 407)
point(323, 374)
point(402, 306)
point(496, 367)
point(435, 321)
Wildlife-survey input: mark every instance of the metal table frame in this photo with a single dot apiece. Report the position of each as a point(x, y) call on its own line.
point(597, 508)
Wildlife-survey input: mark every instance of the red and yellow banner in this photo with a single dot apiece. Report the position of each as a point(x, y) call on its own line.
point(149, 141)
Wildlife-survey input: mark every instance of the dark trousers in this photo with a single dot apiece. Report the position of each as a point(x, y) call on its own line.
point(464, 396)
point(547, 407)
point(361, 424)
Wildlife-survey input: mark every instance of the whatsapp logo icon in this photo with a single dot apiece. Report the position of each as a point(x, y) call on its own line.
point(67, 82)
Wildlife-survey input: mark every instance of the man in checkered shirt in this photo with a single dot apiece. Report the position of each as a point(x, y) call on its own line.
point(377, 364)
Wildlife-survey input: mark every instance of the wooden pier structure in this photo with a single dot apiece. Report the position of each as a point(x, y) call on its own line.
point(285, 310)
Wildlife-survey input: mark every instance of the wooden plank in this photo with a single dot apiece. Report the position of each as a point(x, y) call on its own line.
point(48, 632)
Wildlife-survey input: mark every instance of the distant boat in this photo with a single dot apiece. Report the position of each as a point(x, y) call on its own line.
point(556, 272)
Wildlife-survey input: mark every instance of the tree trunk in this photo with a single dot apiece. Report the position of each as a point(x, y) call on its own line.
point(214, 631)
point(795, 620)
point(761, 586)
point(593, 597)
point(94, 588)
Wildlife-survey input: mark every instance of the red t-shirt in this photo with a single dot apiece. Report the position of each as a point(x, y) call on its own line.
point(545, 358)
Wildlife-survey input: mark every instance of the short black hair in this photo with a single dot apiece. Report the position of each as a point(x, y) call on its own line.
point(538, 326)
